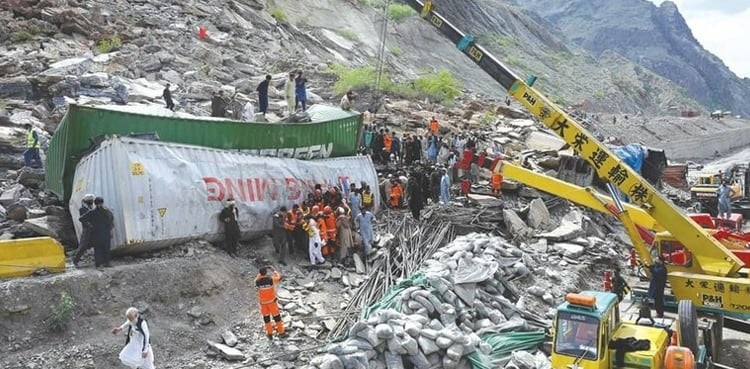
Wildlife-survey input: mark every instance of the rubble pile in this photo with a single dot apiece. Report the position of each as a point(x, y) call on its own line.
point(444, 315)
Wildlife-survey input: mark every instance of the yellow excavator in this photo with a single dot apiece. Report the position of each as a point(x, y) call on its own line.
point(703, 192)
point(708, 277)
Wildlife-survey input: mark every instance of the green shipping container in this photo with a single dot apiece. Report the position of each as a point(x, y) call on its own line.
point(332, 133)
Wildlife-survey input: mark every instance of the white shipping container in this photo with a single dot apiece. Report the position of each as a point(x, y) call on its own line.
point(165, 193)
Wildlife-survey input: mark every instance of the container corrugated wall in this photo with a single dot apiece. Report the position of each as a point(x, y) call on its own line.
point(81, 125)
point(163, 193)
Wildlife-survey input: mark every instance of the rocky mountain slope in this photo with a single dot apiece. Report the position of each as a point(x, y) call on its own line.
point(655, 38)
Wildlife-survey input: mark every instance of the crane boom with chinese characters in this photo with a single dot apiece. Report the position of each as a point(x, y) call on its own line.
point(708, 273)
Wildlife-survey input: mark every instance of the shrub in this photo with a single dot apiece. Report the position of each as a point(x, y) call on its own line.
point(278, 14)
point(441, 86)
point(21, 37)
point(349, 35)
point(372, 3)
point(398, 12)
point(354, 78)
point(107, 45)
point(488, 117)
point(395, 50)
point(62, 313)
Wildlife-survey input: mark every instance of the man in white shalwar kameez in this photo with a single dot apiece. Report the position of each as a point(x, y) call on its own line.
point(137, 352)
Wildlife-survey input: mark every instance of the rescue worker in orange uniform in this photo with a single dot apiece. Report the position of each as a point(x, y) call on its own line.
point(497, 183)
point(269, 307)
point(397, 192)
point(434, 127)
point(387, 144)
point(330, 219)
point(320, 218)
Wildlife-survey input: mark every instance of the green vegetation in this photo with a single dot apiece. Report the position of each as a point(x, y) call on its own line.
point(488, 117)
point(440, 86)
point(372, 3)
point(395, 50)
point(513, 60)
point(279, 15)
point(20, 37)
point(599, 94)
point(397, 12)
point(349, 35)
point(496, 39)
point(109, 44)
point(62, 313)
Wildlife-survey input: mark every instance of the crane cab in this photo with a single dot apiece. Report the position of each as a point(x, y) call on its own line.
point(584, 326)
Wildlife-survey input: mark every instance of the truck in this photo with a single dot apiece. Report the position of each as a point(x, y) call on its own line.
point(703, 192)
point(701, 271)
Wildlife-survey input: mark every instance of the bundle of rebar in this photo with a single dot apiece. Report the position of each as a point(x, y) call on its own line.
point(406, 244)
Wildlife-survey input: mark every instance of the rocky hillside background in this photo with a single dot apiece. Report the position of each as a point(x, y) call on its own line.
point(56, 52)
point(654, 37)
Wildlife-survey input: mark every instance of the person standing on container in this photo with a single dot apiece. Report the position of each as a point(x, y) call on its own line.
point(263, 95)
point(229, 216)
point(300, 91)
point(87, 204)
point(167, 95)
point(101, 221)
point(289, 93)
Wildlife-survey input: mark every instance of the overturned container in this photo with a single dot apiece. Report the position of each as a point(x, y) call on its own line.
point(165, 193)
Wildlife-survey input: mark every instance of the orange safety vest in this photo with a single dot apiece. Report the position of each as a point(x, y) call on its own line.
point(322, 228)
point(290, 221)
point(267, 287)
point(387, 142)
point(434, 127)
point(331, 226)
point(497, 181)
point(396, 193)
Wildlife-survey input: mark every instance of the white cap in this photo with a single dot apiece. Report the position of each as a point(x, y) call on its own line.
point(88, 197)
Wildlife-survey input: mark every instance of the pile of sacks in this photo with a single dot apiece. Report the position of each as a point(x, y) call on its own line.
point(447, 316)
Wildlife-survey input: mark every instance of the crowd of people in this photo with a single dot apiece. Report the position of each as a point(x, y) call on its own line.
point(330, 224)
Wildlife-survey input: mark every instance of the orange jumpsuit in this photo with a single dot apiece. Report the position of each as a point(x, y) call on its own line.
point(434, 127)
point(269, 306)
point(497, 183)
point(329, 248)
point(396, 194)
point(387, 142)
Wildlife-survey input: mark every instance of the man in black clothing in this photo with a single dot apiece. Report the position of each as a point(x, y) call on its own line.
point(657, 285)
point(263, 95)
point(415, 195)
point(219, 105)
point(101, 222)
point(278, 234)
point(167, 95)
point(229, 216)
point(87, 204)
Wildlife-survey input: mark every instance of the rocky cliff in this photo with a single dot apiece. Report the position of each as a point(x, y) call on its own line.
point(655, 38)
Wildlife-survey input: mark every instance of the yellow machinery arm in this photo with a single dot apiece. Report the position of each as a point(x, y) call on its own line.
point(710, 255)
point(583, 196)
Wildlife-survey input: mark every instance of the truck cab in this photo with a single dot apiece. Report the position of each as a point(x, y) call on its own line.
point(586, 323)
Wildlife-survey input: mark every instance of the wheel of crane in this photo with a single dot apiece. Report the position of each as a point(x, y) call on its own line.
point(688, 325)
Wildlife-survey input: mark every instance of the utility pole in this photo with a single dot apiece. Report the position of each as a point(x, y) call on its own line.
point(381, 51)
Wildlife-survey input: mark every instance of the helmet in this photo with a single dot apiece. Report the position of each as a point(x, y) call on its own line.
point(88, 197)
point(315, 209)
point(327, 210)
point(341, 210)
point(318, 192)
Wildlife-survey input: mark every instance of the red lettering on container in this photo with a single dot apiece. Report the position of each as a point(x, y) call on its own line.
point(214, 188)
point(235, 189)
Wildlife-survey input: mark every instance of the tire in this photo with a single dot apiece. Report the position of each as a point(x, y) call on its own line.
point(688, 325)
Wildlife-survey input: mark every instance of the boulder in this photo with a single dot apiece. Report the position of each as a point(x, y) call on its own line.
point(570, 250)
point(31, 177)
point(226, 352)
point(100, 80)
point(45, 226)
point(11, 195)
point(538, 214)
point(18, 212)
point(229, 338)
point(515, 224)
point(16, 88)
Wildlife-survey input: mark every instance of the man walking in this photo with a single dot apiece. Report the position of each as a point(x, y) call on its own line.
point(229, 216)
point(167, 95)
point(31, 156)
point(87, 204)
point(263, 95)
point(101, 222)
point(414, 187)
point(137, 352)
point(219, 105)
point(269, 307)
point(364, 222)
